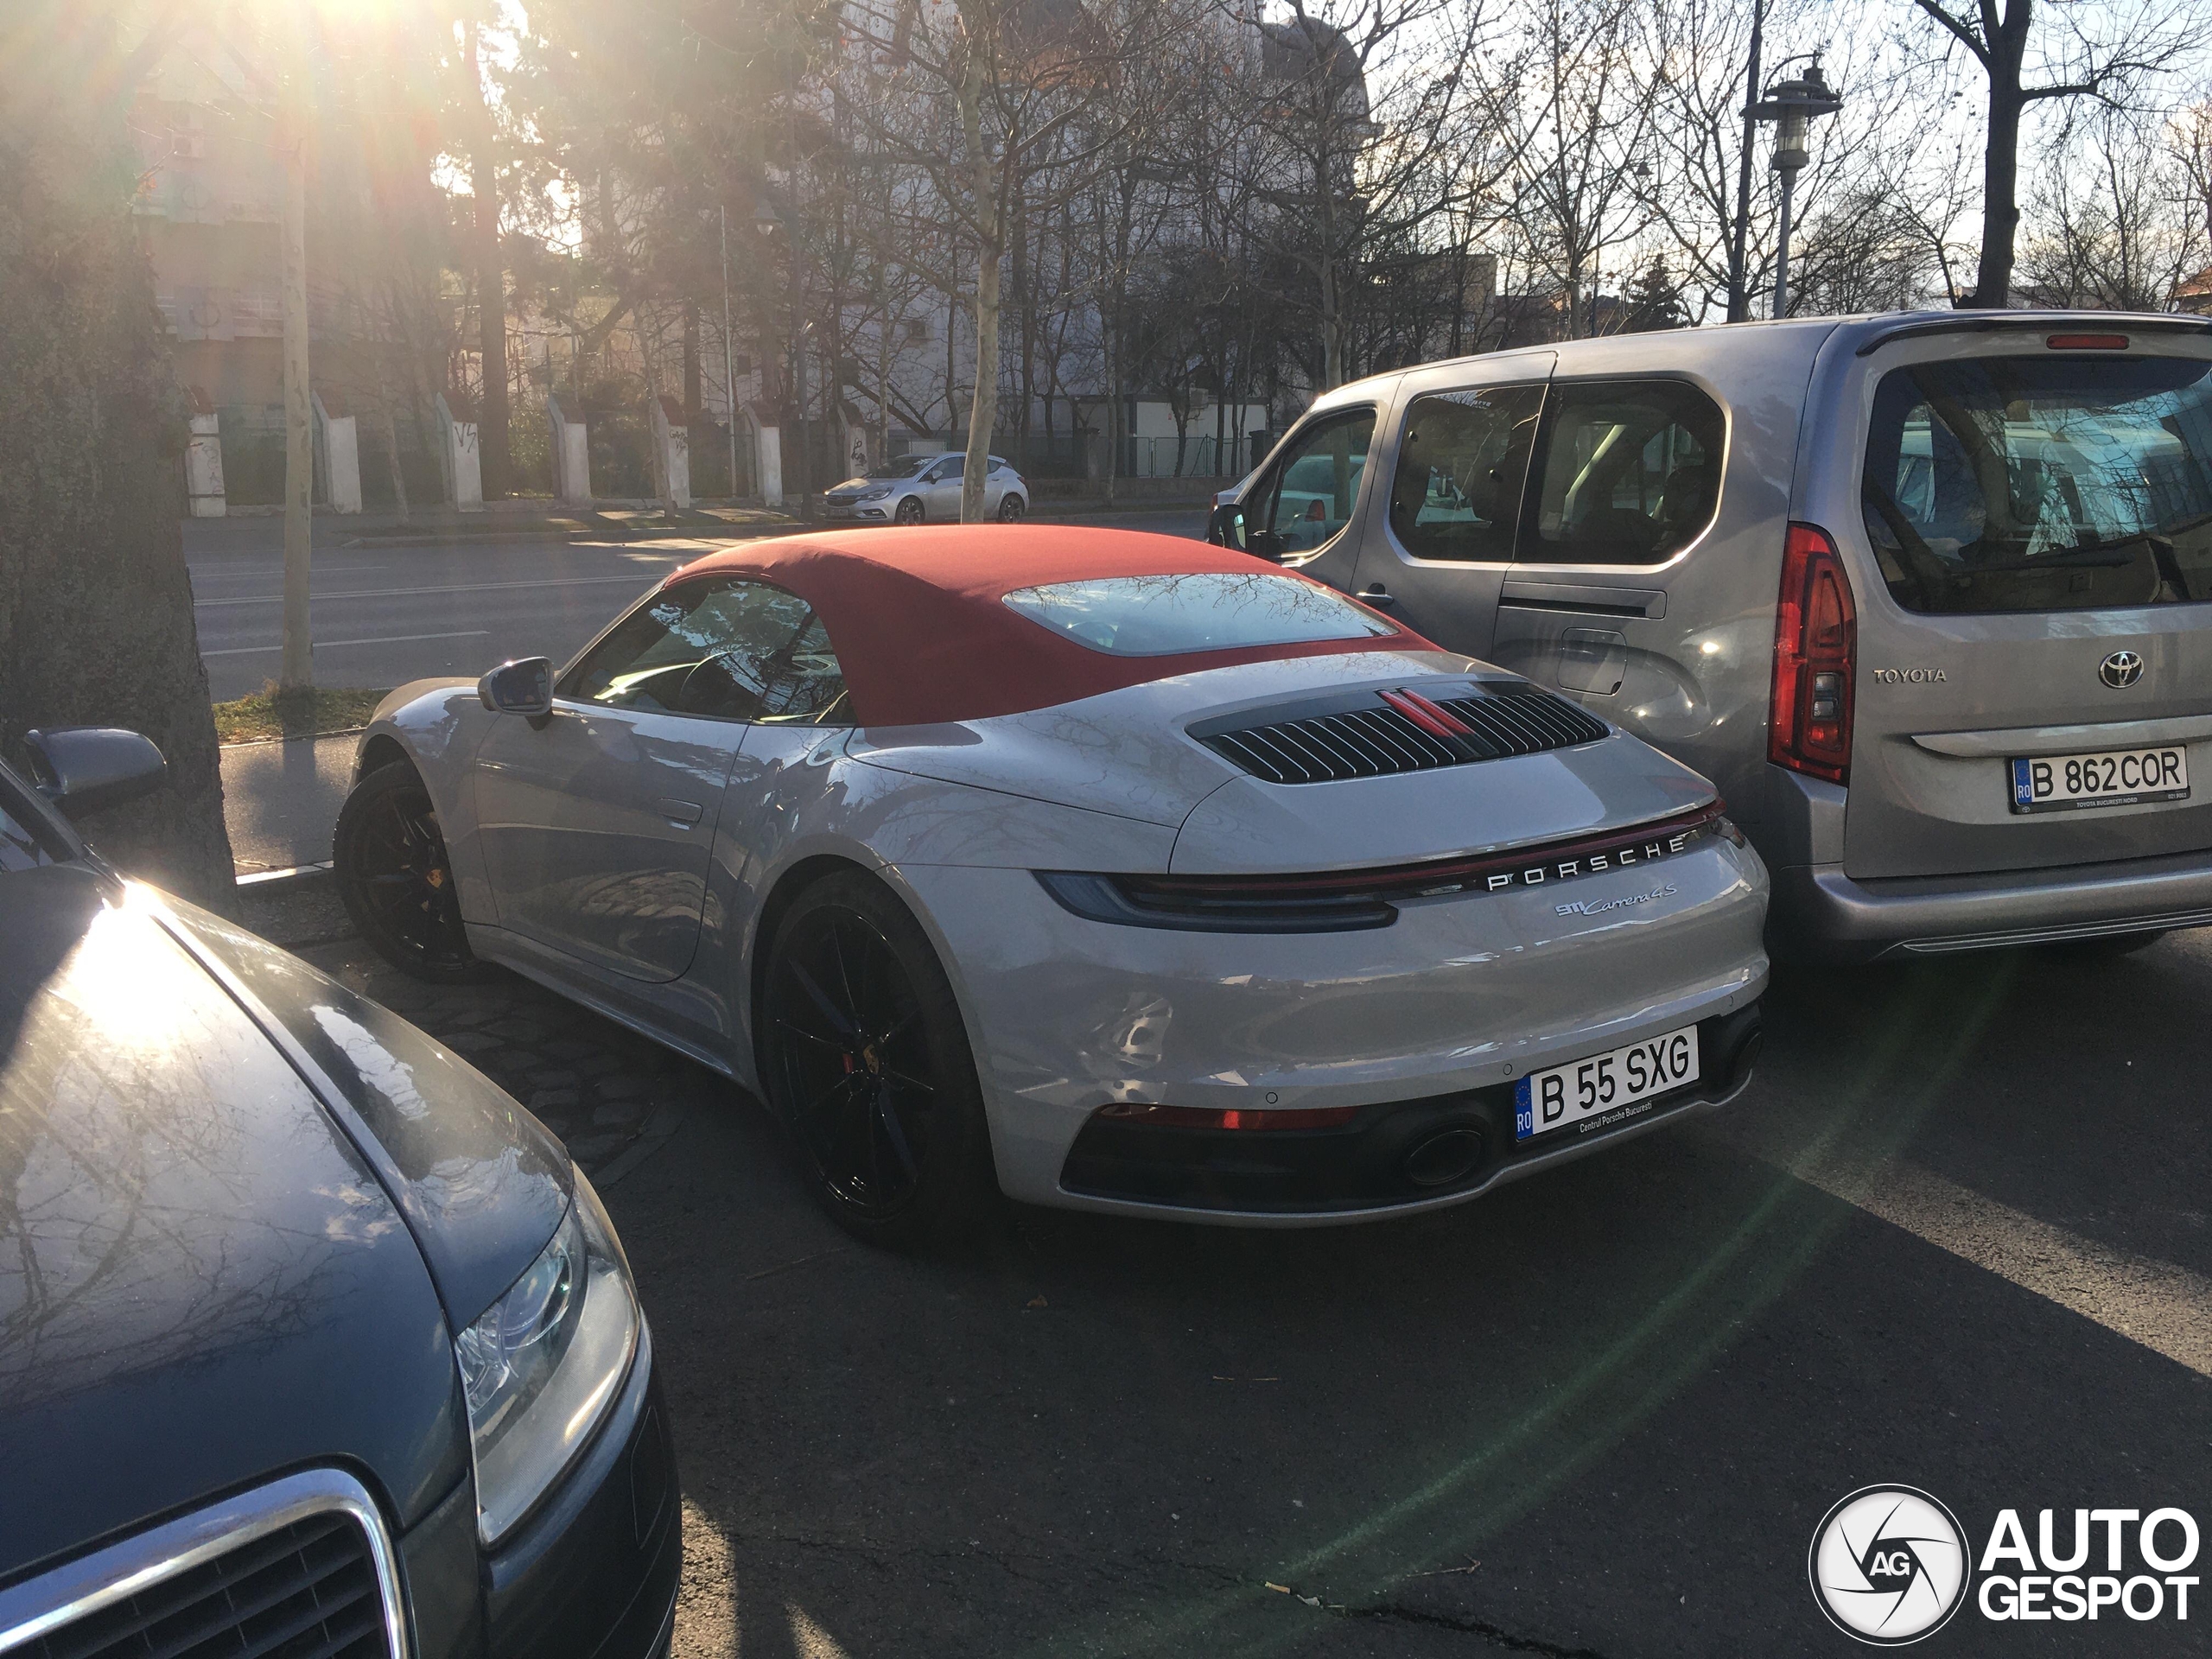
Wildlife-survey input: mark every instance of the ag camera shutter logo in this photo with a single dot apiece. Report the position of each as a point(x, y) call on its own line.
point(1889, 1565)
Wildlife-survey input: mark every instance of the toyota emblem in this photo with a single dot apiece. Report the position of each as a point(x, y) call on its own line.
point(2121, 670)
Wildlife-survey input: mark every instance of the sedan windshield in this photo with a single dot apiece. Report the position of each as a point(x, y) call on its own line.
point(1166, 615)
point(900, 466)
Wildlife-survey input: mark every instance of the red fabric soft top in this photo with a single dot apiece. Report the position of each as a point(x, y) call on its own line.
point(917, 619)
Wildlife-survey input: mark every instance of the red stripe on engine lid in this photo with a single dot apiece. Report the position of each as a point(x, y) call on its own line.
point(1438, 722)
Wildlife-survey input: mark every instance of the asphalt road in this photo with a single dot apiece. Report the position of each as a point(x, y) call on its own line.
point(386, 614)
point(1955, 1237)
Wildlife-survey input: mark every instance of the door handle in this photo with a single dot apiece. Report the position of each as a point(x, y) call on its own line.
point(683, 814)
point(1377, 594)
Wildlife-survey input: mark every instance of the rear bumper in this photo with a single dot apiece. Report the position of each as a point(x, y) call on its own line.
point(1820, 914)
point(1360, 1170)
point(1431, 1015)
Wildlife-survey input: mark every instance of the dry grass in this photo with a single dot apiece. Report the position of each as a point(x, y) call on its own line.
point(310, 713)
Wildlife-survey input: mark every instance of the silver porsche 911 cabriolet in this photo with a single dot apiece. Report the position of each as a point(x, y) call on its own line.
point(1105, 870)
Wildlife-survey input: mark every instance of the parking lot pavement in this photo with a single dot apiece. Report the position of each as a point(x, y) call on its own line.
point(605, 1091)
point(1956, 1236)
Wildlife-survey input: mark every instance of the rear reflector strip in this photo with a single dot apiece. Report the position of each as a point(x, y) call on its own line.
point(1234, 1117)
point(1346, 900)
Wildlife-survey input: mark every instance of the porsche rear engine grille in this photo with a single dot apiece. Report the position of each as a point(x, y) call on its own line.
point(308, 1591)
point(1374, 734)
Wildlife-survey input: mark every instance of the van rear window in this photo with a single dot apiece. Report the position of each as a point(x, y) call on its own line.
point(2056, 483)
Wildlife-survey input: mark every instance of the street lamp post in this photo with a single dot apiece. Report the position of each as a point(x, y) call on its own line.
point(1795, 104)
point(1739, 298)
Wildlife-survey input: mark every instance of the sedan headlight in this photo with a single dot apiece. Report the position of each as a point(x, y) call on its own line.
point(875, 494)
point(543, 1364)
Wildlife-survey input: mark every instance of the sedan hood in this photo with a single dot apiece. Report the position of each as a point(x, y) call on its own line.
point(201, 1278)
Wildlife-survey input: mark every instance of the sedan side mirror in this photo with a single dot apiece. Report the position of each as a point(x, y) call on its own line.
point(522, 687)
point(82, 768)
point(1229, 528)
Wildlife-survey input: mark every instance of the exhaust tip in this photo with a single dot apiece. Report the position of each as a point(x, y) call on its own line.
point(1445, 1158)
point(1747, 1056)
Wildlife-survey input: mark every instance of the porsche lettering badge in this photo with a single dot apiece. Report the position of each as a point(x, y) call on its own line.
point(1591, 864)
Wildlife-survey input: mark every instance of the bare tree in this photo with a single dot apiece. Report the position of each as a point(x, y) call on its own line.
point(2103, 53)
point(1369, 123)
point(2117, 224)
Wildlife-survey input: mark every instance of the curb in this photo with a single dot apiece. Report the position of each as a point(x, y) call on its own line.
point(291, 737)
point(579, 537)
point(297, 875)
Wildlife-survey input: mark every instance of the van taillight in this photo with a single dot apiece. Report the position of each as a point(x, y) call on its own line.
point(1815, 652)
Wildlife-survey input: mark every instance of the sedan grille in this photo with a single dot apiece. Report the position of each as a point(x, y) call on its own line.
point(1377, 735)
point(305, 1591)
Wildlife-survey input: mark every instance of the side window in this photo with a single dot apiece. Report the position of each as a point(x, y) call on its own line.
point(1628, 472)
point(949, 470)
point(1456, 494)
point(1310, 495)
point(720, 647)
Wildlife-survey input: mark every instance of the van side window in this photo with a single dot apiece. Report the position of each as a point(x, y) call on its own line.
point(1464, 456)
point(1630, 472)
point(1309, 498)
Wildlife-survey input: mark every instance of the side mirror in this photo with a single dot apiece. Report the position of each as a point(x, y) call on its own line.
point(1229, 528)
point(82, 768)
point(522, 687)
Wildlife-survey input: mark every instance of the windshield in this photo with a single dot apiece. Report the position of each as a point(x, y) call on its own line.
point(900, 466)
point(2043, 483)
point(1166, 615)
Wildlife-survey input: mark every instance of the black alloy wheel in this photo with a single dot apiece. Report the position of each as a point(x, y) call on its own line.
point(389, 857)
point(1011, 509)
point(866, 1062)
point(909, 511)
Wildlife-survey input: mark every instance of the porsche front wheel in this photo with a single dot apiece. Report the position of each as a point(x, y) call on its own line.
point(866, 1062)
point(388, 858)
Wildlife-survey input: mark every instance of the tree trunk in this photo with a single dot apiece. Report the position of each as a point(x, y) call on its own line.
point(490, 277)
point(983, 404)
point(295, 663)
point(2000, 172)
point(693, 400)
point(96, 620)
point(391, 449)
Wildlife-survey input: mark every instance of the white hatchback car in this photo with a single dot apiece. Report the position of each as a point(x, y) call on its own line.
point(924, 489)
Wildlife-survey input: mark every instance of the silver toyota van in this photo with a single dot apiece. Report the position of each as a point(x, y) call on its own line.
point(1928, 596)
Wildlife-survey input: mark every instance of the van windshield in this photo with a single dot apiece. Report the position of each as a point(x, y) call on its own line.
point(2025, 483)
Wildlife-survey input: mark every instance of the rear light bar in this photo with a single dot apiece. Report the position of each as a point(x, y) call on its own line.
point(1816, 660)
point(1233, 1118)
point(2088, 342)
point(1345, 901)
